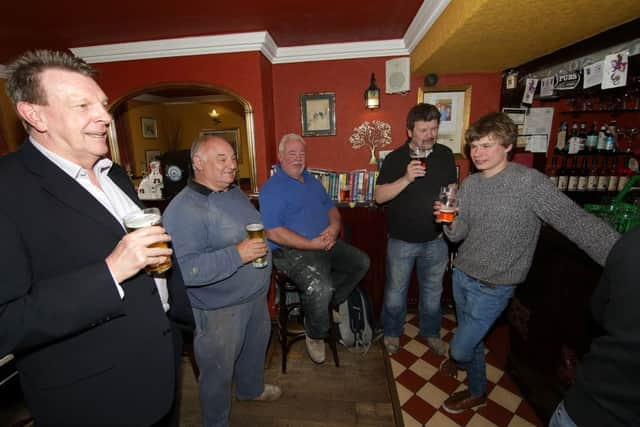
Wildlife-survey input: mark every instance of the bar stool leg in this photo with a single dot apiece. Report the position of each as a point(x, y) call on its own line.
point(283, 318)
point(333, 336)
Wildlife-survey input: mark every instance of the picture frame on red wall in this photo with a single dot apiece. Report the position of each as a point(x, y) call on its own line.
point(318, 113)
point(454, 103)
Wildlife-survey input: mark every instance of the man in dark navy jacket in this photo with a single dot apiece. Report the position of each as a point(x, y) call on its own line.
point(94, 337)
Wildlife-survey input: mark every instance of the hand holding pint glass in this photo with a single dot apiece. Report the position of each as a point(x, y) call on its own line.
point(448, 203)
point(420, 154)
point(147, 218)
point(256, 231)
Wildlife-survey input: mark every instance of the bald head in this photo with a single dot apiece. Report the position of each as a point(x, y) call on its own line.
point(214, 163)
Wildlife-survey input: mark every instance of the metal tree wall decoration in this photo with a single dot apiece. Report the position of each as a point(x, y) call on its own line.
point(374, 134)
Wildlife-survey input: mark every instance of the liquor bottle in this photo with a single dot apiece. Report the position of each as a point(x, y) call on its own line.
point(592, 180)
point(613, 176)
point(602, 139)
point(583, 179)
point(561, 139)
point(582, 135)
point(573, 172)
point(563, 177)
point(574, 140)
point(603, 177)
point(552, 172)
point(624, 174)
point(610, 146)
point(591, 145)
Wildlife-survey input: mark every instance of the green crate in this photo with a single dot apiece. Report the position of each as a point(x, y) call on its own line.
point(621, 216)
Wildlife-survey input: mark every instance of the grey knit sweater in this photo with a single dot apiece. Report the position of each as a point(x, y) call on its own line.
point(500, 219)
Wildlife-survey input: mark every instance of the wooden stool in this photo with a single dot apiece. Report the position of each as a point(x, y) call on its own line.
point(287, 337)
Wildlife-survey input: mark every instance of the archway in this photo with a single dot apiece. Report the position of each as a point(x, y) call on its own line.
point(157, 120)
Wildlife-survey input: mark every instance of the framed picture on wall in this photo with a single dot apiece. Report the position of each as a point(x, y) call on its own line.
point(454, 104)
point(231, 135)
point(149, 127)
point(318, 113)
point(150, 155)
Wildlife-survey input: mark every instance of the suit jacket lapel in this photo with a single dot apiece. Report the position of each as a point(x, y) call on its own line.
point(64, 188)
point(121, 179)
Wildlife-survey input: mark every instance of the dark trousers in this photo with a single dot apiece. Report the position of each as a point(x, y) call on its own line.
point(323, 278)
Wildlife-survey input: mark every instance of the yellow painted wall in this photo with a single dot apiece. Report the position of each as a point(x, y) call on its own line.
point(180, 124)
point(193, 119)
point(137, 110)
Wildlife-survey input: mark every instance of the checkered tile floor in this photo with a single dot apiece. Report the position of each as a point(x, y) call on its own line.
point(422, 389)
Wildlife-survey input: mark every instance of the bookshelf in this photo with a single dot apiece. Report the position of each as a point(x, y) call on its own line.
point(346, 187)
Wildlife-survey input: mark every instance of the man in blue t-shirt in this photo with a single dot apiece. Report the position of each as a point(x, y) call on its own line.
point(302, 226)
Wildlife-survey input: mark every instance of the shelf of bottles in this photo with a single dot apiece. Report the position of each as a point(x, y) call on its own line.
point(593, 162)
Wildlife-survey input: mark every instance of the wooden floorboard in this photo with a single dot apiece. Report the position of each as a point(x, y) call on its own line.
point(355, 394)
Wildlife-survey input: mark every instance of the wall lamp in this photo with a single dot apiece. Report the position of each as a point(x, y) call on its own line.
point(215, 116)
point(372, 95)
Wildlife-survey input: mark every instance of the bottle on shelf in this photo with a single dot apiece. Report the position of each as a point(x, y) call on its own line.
point(624, 174)
point(563, 177)
point(592, 180)
point(561, 139)
point(583, 179)
point(574, 140)
point(552, 172)
point(591, 144)
point(602, 139)
point(573, 172)
point(603, 177)
point(610, 146)
point(613, 176)
point(582, 135)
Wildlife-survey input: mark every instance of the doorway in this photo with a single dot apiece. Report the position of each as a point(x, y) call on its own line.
point(155, 120)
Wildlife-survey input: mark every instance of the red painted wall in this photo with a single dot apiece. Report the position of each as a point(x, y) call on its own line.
point(240, 73)
point(348, 79)
point(274, 94)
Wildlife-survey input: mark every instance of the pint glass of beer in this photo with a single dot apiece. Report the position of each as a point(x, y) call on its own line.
point(419, 153)
point(345, 193)
point(256, 231)
point(449, 202)
point(147, 218)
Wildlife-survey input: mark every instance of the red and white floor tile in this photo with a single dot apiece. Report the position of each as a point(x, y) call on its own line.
point(422, 389)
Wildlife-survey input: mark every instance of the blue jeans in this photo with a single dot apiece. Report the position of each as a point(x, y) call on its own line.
point(323, 278)
point(477, 307)
point(230, 344)
point(561, 418)
point(430, 259)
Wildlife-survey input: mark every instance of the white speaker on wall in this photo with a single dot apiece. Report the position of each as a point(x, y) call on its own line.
point(397, 75)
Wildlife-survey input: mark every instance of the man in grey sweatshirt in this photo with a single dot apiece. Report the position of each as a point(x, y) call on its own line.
point(502, 208)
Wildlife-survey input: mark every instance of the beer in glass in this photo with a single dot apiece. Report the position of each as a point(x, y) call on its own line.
point(256, 231)
point(448, 203)
point(345, 193)
point(147, 218)
point(420, 154)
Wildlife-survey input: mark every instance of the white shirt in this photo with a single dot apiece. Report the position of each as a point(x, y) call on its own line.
point(110, 196)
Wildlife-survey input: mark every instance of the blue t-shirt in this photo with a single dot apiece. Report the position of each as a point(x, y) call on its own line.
point(302, 207)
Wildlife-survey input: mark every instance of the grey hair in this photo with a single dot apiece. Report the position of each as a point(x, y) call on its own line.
point(286, 138)
point(23, 81)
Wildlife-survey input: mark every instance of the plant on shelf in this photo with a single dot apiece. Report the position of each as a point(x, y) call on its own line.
point(374, 134)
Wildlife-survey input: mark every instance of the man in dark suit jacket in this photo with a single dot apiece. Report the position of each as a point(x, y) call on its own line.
point(94, 337)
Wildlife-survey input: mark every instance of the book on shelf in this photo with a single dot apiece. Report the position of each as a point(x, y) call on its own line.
point(357, 185)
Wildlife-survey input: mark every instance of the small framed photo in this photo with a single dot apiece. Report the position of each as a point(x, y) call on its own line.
point(454, 104)
point(149, 127)
point(318, 113)
point(151, 155)
point(231, 135)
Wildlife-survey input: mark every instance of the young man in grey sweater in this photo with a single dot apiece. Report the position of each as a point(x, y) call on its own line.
point(502, 208)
